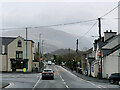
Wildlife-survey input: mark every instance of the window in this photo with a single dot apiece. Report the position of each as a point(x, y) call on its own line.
point(19, 54)
point(19, 43)
point(3, 49)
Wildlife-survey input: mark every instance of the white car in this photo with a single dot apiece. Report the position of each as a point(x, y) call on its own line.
point(49, 62)
point(53, 63)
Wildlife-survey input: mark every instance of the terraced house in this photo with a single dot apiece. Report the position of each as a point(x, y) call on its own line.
point(110, 55)
point(13, 54)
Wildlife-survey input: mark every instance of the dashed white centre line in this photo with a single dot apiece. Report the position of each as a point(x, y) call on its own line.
point(98, 86)
point(62, 79)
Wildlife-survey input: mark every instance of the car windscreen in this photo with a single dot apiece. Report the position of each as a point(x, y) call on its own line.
point(115, 74)
point(47, 70)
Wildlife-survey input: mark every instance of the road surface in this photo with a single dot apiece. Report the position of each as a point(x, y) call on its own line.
point(63, 79)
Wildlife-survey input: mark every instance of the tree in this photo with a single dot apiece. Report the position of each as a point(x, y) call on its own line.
point(58, 60)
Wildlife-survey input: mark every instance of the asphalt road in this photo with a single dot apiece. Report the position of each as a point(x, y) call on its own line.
point(63, 79)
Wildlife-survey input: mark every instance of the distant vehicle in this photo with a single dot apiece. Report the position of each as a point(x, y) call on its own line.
point(53, 63)
point(115, 77)
point(49, 62)
point(63, 64)
point(48, 74)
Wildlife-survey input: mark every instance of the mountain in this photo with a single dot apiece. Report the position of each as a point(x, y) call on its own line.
point(62, 51)
point(53, 39)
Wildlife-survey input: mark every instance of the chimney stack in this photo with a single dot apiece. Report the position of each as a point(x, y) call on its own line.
point(108, 34)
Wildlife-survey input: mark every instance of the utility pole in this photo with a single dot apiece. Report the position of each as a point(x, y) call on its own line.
point(77, 46)
point(39, 45)
point(38, 48)
point(40, 51)
point(26, 50)
point(77, 53)
point(100, 43)
point(42, 48)
point(69, 50)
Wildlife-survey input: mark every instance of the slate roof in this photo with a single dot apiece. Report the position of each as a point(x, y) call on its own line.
point(5, 41)
point(107, 52)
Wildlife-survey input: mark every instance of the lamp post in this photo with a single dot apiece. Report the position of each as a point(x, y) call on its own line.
point(26, 50)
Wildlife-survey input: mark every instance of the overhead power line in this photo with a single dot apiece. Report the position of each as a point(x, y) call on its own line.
point(88, 30)
point(66, 23)
point(6, 29)
point(110, 11)
point(109, 18)
point(10, 29)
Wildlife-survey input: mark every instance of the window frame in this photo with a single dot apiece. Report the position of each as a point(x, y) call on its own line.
point(19, 54)
point(19, 43)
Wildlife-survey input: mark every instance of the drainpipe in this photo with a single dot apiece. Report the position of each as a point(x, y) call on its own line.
point(90, 69)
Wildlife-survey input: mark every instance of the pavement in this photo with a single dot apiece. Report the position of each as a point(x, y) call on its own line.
point(88, 78)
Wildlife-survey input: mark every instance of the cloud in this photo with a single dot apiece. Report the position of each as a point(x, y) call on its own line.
point(45, 13)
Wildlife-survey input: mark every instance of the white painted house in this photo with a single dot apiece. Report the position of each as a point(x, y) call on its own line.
point(111, 58)
point(110, 55)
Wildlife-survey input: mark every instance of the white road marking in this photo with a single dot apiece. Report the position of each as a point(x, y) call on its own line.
point(37, 82)
point(62, 79)
point(98, 86)
point(102, 87)
point(10, 85)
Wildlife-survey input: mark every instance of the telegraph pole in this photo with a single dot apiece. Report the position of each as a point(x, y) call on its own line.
point(39, 45)
point(26, 49)
point(100, 43)
point(77, 46)
point(77, 53)
point(40, 50)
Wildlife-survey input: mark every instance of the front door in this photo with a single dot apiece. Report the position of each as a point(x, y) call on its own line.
point(13, 65)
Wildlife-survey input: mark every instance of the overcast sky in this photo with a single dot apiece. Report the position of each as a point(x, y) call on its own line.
point(32, 14)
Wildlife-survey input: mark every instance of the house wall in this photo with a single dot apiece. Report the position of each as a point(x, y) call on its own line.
point(0, 62)
point(37, 64)
point(110, 64)
point(94, 68)
point(88, 68)
point(12, 47)
point(3, 62)
point(119, 60)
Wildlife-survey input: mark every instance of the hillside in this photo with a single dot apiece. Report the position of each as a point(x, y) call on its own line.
point(53, 39)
